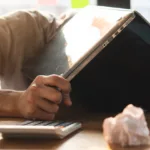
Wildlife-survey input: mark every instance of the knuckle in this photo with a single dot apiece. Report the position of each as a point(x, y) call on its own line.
point(33, 88)
point(39, 79)
point(54, 78)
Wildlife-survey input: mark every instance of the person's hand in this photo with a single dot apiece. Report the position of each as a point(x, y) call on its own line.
point(41, 100)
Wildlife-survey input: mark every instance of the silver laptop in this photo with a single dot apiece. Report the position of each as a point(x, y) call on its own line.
point(79, 40)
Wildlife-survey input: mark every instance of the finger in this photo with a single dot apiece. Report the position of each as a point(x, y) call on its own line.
point(67, 100)
point(58, 81)
point(42, 115)
point(47, 106)
point(48, 93)
point(62, 84)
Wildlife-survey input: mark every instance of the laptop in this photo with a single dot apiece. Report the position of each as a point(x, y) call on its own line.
point(78, 41)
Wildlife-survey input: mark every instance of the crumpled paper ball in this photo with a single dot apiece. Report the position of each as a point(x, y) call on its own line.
point(128, 128)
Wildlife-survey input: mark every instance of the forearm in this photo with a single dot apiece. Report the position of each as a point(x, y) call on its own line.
point(9, 103)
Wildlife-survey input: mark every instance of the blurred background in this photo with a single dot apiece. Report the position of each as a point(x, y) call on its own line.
point(59, 6)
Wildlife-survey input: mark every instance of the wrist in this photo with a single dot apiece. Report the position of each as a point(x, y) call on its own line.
point(9, 103)
point(16, 100)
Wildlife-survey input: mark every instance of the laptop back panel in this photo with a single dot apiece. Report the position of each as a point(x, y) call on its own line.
point(119, 75)
point(75, 41)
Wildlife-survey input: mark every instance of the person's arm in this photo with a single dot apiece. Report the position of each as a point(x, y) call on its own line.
point(23, 34)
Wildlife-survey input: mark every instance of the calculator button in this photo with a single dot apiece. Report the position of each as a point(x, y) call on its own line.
point(34, 123)
point(53, 123)
point(25, 122)
point(44, 123)
point(65, 124)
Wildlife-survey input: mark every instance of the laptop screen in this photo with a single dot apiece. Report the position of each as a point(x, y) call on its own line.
point(74, 40)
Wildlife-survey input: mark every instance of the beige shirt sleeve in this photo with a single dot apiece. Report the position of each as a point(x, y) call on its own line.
point(22, 35)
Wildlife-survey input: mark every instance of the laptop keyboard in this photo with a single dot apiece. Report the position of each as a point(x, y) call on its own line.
point(45, 123)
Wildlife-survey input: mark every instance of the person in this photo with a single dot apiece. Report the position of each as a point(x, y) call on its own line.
point(23, 35)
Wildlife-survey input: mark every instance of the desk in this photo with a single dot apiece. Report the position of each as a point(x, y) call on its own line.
point(89, 138)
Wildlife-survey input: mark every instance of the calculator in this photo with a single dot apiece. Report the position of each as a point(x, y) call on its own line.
point(39, 129)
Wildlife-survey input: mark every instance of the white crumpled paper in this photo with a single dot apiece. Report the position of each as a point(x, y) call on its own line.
point(128, 128)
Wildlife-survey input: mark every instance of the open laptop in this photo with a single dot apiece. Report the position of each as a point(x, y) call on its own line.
point(78, 41)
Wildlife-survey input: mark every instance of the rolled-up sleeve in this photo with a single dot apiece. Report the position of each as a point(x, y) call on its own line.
point(23, 34)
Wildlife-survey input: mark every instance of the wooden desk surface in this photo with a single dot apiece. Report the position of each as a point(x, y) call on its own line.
point(89, 138)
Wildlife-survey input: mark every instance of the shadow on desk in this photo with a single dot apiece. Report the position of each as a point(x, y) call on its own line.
point(34, 143)
point(65, 144)
point(81, 140)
